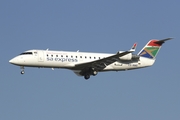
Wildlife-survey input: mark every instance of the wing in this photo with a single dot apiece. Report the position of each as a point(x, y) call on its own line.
point(102, 63)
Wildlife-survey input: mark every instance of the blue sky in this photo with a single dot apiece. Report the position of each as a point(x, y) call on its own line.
point(94, 26)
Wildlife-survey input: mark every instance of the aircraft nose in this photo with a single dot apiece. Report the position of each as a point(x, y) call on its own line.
point(13, 61)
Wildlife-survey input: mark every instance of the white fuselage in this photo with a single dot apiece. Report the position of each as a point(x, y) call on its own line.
point(68, 60)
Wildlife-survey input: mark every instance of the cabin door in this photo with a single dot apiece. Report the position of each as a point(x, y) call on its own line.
point(40, 56)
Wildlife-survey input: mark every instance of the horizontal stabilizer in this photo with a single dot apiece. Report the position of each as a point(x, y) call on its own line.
point(160, 42)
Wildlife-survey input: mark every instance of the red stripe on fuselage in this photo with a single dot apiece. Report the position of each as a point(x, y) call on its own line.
point(153, 43)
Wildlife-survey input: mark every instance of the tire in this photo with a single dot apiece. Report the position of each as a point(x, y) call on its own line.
point(94, 73)
point(22, 72)
point(87, 76)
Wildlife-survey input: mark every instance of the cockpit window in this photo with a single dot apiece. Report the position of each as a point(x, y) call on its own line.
point(26, 53)
point(35, 53)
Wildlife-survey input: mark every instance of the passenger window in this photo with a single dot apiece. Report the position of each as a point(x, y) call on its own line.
point(61, 55)
point(51, 55)
point(56, 55)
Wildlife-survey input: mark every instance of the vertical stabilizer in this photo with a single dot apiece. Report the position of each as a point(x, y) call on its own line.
point(152, 48)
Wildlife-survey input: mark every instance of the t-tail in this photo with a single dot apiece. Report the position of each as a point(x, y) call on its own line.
point(152, 48)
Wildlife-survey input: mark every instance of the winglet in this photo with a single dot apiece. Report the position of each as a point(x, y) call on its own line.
point(133, 47)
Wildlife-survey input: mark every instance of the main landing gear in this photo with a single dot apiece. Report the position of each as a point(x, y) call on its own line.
point(22, 70)
point(91, 72)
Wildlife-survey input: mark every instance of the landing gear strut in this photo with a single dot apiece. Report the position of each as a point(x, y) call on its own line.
point(22, 70)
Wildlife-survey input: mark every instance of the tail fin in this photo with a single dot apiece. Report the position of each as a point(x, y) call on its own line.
point(152, 48)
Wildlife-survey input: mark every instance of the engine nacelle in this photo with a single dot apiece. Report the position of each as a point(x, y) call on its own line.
point(126, 57)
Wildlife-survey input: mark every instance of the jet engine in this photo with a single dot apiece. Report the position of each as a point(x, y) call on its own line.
point(126, 57)
point(129, 56)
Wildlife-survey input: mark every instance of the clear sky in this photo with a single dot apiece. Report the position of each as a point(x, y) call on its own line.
point(95, 26)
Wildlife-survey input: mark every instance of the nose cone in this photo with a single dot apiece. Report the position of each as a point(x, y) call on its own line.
point(13, 61)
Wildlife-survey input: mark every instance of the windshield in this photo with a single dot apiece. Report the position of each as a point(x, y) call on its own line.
point(26, 53)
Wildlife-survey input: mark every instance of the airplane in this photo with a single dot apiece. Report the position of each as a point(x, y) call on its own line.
point(89, 64)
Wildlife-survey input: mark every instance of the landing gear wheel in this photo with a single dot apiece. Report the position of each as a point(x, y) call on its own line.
point(22, 72)
point(87, 76)
point(94, 73)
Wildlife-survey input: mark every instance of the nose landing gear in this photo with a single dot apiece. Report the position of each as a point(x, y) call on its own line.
point(22, 70)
